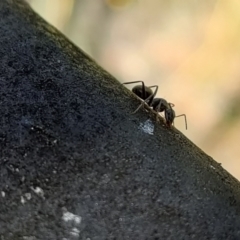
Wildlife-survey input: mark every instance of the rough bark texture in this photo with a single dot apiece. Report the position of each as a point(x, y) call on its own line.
point(76, 164)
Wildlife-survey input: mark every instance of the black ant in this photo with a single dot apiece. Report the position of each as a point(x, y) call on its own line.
point(158, 104)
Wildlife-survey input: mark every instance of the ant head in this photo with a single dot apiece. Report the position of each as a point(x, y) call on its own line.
point(169, 116)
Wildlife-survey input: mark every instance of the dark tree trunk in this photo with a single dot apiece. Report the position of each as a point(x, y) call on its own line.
point(76, 164)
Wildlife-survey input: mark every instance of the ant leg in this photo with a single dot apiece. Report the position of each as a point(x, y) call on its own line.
point(183, 115)
point(158, 107)
point(141, 105)
point(152, 96)
point(134, 82)
point(143, 92)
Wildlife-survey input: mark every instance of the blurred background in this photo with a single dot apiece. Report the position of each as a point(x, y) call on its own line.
point(190, 48)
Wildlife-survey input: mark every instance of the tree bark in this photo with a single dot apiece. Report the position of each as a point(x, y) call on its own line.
point(76, 164)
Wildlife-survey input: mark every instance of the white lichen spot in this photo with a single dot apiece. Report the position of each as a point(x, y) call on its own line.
point(22, 200)
point(105, 178)
point(28, 196)
point(72, 222)
point(147, 127)
point(29, 238)
point(75, 232)
point(3, 194)
point(68, 216)
point(38, 191)
point(212, 167)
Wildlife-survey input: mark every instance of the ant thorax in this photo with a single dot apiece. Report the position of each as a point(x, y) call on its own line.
point(159, 104)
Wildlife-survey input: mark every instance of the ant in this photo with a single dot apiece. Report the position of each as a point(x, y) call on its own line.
point(158, 104)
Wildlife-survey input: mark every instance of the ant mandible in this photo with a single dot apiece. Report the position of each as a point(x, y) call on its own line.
point(158, 104)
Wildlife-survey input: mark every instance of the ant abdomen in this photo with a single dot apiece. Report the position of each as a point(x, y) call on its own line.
point(143, 94)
